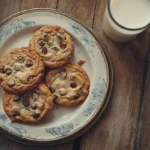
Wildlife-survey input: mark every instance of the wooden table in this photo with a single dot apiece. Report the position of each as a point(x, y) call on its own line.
point(125, 124)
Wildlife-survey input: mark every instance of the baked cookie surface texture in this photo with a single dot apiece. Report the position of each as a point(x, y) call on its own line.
point(69, 85)
point(21, 70)
point(29, 107)
point(54, 45)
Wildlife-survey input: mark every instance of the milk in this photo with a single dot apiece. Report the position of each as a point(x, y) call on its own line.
point(131, 14)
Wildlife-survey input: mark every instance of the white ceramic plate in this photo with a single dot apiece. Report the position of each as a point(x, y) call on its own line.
point(16, 31)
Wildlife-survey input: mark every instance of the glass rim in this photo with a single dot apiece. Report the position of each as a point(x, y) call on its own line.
point(126, 28)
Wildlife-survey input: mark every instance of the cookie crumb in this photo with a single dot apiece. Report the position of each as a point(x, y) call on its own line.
point(81, 62)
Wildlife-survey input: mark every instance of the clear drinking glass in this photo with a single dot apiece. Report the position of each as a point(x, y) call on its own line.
point(125, 19)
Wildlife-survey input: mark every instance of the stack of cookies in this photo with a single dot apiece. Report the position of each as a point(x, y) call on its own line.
point(39, 76)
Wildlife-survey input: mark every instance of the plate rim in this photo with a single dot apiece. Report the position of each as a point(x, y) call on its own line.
point(100, 110)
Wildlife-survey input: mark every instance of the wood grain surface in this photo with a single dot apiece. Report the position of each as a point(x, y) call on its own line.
point(143, 132)
point(125, 123)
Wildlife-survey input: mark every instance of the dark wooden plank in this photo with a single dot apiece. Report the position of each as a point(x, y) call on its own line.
point(116, 130)
point(67, 146)
point(83, 9)
point(6, 144)
point(8, 7)
point(28, 4)
point(143, 136)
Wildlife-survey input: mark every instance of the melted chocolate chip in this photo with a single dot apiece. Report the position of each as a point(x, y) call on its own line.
point(73, 85)
point(77, 96)
point(16, 113)
point(20, 59)
point(51, 89)
point(36, 115)
point(55, 98)
point(1, 80)
point(25, 102)
point(63, 45)
point(17, 98)
point(29, 63)
point(29, 78)
point(41, 43)
point(2, 69)
point(44, 50)
point(8, 71)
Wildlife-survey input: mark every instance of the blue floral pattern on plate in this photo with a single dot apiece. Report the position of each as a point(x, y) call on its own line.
point(84, 37)
point(61, 130)
point(13, 28)
point(97, 95)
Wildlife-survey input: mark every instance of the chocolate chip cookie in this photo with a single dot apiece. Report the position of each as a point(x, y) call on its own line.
point(54, 45)
point(29, 107)
point(21, 70)
point(69, 85)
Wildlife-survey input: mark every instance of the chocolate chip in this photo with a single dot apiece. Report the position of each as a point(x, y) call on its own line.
point(2, 69)
point(73, 85)
point(20, 59)
point(33, 106)
point(55, 97)
point(16, 113)
point(44, 50)
point(29, 63)
point(25, 102)
point(41, 43)
point(77, 96)
point(63, 45)
point(17, 98)
point(11, 83)
point(1, 80)
point(8, 71)
point(29, 78)
point(36, 115)
point(51, 89)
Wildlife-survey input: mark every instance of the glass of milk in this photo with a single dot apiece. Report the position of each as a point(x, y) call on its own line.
point(125, 19)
